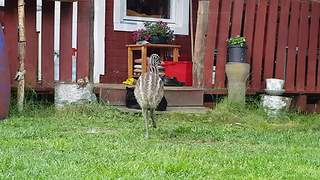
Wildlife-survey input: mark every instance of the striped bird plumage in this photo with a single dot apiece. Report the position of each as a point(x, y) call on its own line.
point(149, 90)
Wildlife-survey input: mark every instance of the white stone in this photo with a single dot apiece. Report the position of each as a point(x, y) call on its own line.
point(72, 93)
point(275, 104)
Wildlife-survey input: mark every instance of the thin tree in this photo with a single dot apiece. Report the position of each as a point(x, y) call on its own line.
point(22, 52)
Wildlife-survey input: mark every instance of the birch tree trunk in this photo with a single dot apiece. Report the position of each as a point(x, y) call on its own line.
point(22, 53)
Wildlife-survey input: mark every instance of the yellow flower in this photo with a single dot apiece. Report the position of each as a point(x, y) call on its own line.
point(129, 81)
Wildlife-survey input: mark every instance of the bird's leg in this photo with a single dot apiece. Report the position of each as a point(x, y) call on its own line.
point(153, 118)
point(148, 117)
point(145, 117)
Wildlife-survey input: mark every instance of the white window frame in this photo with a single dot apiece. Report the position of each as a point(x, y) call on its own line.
point(1, 3)
point(179, 17)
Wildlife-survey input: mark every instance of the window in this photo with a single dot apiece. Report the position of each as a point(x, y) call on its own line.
point(129, 15)
point(151, 9)
point(1, 3)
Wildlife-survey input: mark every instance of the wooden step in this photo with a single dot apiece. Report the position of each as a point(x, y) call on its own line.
point(115, 94)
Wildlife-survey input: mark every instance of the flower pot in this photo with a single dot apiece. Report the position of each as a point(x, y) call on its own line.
point(237, 54)
point(158, 40)
point(274, 84)
point(4, 79)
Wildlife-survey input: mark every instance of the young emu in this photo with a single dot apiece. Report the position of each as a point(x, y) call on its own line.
point(149, 91)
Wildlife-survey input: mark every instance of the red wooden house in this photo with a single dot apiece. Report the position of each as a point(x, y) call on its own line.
point(283, 38)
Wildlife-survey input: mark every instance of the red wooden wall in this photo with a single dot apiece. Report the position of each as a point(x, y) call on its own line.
point(283, 41)
point(116, 52)
point(116, 66)
point(9, 20)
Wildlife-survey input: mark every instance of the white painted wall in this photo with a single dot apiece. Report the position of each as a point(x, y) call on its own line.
point(38, 29)
point(74, 39)
point(99, 39)
point(56, 40)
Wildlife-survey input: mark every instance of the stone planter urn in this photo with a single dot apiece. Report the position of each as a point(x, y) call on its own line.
point(237, 74)
point(273, 103)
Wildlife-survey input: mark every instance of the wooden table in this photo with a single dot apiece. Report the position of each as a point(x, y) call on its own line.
point(144, 54)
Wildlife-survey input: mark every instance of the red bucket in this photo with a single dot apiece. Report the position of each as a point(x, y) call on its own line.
point(4, 79)
point(182, 70)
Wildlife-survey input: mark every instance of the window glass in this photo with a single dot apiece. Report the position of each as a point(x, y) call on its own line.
point(149, 8)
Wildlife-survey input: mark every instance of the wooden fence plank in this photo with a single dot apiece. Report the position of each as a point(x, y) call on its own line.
point(292, 45)
point(83, 39)
point(249, 26)
point(65, 67)
point(211, 42)
point(313, 45)
point(257, 57)
point(282, 39)
point(303, 46)
point(318, 73)
point(11, 35)
point(237, 18)
point(225, 14)
point(271, 39)
point(47, 39)
point(31, 61)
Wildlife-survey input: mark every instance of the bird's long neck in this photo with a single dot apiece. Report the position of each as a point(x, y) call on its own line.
point(153, 69)
point(154, 61)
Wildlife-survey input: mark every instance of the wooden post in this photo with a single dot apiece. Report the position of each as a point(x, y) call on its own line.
point(130, 63)
point(317, 107)
point(144, 57)
point(22, 52)
point(191, 28)
point(301, 102)
point(199, 48)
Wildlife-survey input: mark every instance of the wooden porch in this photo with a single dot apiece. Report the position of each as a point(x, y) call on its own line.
point(115, 94)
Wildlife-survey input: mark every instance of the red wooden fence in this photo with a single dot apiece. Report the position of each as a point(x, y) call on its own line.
point(283, 41)
point(9, 20)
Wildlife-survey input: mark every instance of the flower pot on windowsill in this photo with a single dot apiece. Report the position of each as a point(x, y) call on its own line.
point(237, 53)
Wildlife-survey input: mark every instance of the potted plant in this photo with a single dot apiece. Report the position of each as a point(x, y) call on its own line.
point(140, 35)
point(237, 49)
point(156, 33)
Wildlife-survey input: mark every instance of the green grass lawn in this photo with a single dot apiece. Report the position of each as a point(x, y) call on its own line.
point(96, 141)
